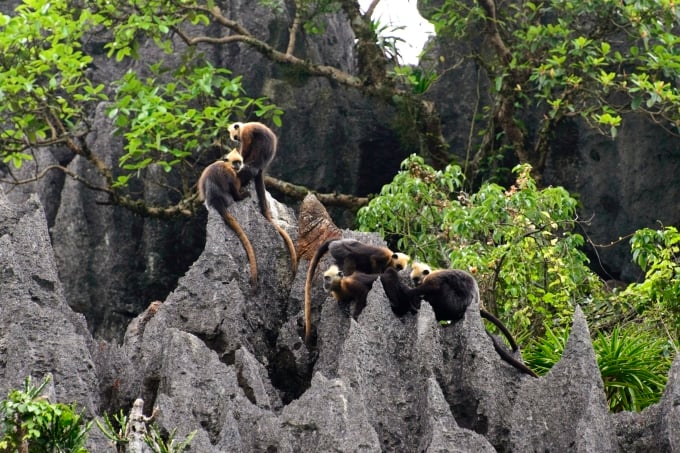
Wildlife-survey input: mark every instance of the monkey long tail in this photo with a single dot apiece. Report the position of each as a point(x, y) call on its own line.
point(266, 212)
point(262, 196)
point(506, 356)
point(323, 248)
point(236, 227)
point(289, 245)
point(497, 322)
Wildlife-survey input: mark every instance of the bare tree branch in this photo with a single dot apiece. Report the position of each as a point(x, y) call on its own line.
point(277, 57)
point(492, 32)
point(329, 199)
point(371, 9)
point(44, 171)
point(294, 28)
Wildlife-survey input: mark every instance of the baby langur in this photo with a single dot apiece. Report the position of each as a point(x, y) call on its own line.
point(448, 293)
point(219, 187)
point(350, 256)
point(257, 145)
point(349, 288)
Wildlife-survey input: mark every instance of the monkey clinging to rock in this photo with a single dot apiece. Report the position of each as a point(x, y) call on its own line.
point(257, 145)
point(219, 186)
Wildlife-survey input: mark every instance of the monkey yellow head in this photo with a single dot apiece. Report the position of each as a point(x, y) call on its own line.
point(235, 131)
point(400, 261)
point(235, 159)
point(419, 271)
point(330, 278)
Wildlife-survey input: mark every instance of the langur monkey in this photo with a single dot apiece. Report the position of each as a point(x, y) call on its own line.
point(219, 187)
point(257, 145)
point(350, 256)
point(349, 288)
point(449, 292)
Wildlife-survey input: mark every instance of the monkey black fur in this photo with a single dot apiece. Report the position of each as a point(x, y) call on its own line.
point(257, 145)
point(350, 256)
point(449, 292)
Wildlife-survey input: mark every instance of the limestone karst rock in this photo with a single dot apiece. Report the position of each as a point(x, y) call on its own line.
point(233, 367)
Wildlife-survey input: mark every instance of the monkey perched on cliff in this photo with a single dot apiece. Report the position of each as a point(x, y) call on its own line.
point(449, 292)
point(350, 256)
point(257, 145)
point(400, 303)
point(349, 288)
point(219, 186)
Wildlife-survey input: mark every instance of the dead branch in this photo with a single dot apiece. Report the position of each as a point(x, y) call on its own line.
point(329, 199)
point(294, 28)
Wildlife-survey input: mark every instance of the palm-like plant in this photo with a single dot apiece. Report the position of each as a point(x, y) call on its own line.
point(634, 366)
point(545, 352)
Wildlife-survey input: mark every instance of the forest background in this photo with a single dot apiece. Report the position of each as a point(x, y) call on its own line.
point(473, 190)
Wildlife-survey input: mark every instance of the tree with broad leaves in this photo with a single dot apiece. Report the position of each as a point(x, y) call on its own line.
point(549, 61)
point(595, 60)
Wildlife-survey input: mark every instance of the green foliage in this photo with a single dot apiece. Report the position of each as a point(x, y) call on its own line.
point(44, 91)
point(418, 79)
point(544, 352)
point(313, 11)
point(634, 365)
point(158, 445)
point(634, 368)
point(114, 429)
point(132, 21)
point(167, 117)
point(32, 423)
point(596, 59)
point(386, 40)
point(657, 252)
point(519, 241)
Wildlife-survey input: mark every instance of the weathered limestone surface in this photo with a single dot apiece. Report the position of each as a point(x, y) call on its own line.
point(232, 366)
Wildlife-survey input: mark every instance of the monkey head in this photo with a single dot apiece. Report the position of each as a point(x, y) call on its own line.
point(419, 271)
point(399, 261)
point(235, 159)
point(235, 131)
point(331, 277)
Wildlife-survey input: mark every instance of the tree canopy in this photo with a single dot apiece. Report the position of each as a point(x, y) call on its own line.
point(543, 63)
point(596, 60)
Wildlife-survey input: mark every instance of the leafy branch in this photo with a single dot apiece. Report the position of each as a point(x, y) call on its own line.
point(172, 117)
point(546, 63)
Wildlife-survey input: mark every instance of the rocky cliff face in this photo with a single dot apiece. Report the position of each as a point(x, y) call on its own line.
point(112, 263)
point(623, 184)
point(232, 366)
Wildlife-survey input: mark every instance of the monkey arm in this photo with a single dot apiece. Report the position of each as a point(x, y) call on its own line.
point(237, 194)
point(400, 301)
point(425, 291)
